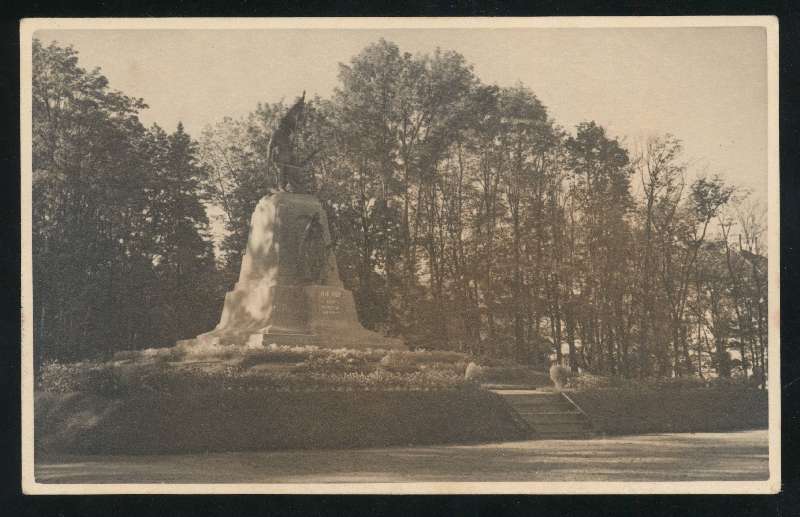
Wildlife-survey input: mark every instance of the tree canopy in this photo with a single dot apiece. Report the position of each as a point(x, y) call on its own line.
point(464, 217)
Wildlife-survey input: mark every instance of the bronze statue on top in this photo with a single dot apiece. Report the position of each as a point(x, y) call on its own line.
point(291, 175)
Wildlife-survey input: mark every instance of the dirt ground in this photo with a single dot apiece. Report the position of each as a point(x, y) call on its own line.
point(733, 456)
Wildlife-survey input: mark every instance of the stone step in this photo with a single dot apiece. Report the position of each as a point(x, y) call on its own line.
point(531, 398)
point(554, 417)
point(557, 406)
point(546, 414)
point(537, 401)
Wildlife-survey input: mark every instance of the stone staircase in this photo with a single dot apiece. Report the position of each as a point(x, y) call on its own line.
point(545, 413)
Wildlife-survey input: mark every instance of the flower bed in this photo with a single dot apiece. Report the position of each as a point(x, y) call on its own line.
point(272, 368)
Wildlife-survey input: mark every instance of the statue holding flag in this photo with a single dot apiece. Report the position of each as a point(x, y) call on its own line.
point(282, 161)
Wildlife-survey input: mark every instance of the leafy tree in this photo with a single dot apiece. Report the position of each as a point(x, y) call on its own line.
point(463, 218)
point(600, 184)
point(118, 229)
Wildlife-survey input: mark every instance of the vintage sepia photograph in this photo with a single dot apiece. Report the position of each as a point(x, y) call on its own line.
point(434, 255)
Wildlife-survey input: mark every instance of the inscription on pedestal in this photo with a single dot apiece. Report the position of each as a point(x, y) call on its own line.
point(330, 302)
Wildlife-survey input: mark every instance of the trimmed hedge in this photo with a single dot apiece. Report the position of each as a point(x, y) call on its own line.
point(231, 420)
point(617, 411)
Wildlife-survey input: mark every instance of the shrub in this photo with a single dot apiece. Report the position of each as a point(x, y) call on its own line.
point(337, 361)
point(209, 351)
point(89, 376)
point(260, 354)
point(56, 377)
point(559, 375)
point(473, 372)
point(307, 368)
point(397, 358)
point(586, 381)
point(487, 360)
point(732, 382)
point(151, 354)
point(163, 354)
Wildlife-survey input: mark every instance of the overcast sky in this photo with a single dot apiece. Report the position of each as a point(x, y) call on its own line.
point(707, 86)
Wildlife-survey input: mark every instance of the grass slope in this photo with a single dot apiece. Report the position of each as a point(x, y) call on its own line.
point(617, 411)
point(228, 420)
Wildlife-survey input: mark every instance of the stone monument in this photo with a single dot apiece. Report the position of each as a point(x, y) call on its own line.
point(289, 290)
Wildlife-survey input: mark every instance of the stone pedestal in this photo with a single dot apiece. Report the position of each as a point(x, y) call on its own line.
point(289, 291)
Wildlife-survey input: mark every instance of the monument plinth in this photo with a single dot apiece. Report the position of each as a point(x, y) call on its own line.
point(289, 291)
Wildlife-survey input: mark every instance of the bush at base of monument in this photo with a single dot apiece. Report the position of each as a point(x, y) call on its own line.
point(237, 398)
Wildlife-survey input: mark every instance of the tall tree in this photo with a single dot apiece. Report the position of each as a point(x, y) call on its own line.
point(113, 206)
point(601, 188)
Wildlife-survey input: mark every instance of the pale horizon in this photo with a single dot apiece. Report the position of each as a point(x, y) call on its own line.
point(706, 86)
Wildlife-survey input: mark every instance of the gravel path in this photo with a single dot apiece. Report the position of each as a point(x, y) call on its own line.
point(659, 457)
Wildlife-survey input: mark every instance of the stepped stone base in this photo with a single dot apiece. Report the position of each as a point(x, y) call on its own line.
point(289, 291)
point(320, 316)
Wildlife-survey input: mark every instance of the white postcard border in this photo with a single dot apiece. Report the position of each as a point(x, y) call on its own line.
point(772, 485)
